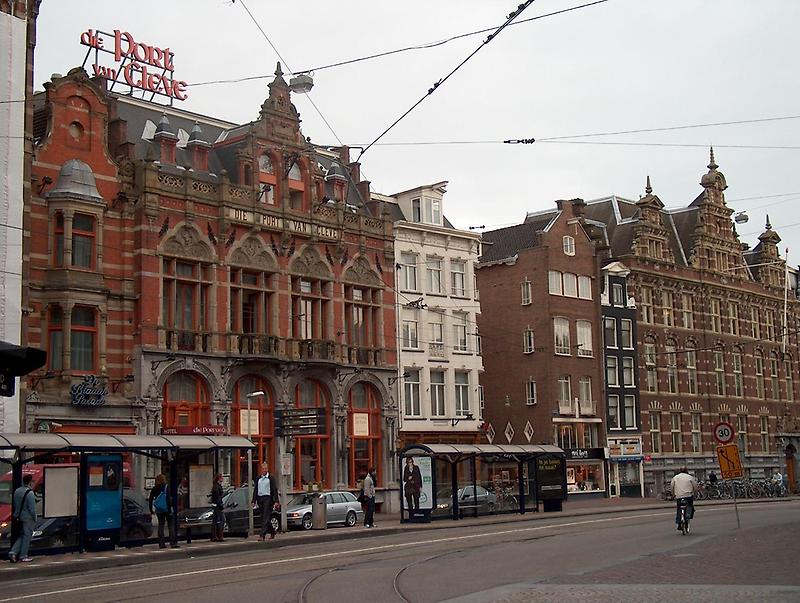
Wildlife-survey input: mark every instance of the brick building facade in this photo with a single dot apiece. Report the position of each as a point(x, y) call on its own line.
point(177, 263)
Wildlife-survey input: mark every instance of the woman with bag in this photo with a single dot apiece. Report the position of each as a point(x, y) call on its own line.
point(218, 521)
point(160, 504)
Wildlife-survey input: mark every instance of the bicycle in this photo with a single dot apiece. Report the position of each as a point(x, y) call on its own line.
point(683, 523)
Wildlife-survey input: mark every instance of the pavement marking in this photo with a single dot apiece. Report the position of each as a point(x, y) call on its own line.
point(382, 547)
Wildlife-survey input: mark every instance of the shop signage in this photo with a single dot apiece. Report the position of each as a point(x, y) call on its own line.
point(89, 392)
point(280, 223)
point(300, 421)
point(579, 454)
point(139, 65)
point(551, 477)
point(195, 430)
point(625, 448)
point(360, 424)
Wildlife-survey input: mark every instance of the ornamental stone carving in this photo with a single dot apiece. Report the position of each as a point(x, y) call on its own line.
point(310, 264)
point(361, 273)
point(188, 243)
point(253, 253)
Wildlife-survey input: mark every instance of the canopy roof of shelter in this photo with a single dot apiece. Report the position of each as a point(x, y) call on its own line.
point(120, 443)
point(458, 451)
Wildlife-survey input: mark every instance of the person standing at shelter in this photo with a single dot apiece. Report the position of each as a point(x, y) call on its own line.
point(161, 504)
point(265, 496)
point(218, 521)
point(24, 511)
point(369, 498)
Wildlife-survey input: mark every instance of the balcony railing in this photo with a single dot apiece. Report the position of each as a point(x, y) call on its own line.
point(188, 341)
point(588, 407)
point(565, 407)
point(436, 350)
point(255, 345)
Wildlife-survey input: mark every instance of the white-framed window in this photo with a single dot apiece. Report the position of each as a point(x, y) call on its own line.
point(691, 368)
point(564, 389)
point(667, 301)
point(436, 326)
point(617, 295)
point(416, 210)
point(462, 394)
point(610, 331)
point(561, 333)
point(408, 271)
point(755, 322)
point(626, 333)
point(630, 412)
point(764, 433)
point(697, 433)
point(434, 273)
point(585, 389)
point(527, 341)
point(613, 412)
point(628, 377)
point(585, 287)
point(773, 376)
point(570, 285)
point(554, 282)
point(719, 371)
point(733, 318)
point(650, 366)
point(759, 362)
point(655, 431)
point(687, 311)
point(646, 304)
point(716, 320)
point(530, 392)
point(460, 332)
point(738, 378)
point(675, 431)
point(769, 325)
point(612, 371)
point(481, 400)
point(433, 211)
point(458, 278)
point(569, 245)
point(741, 432)
point(584, 332)
point(438, 407)
point(411, 390)
point(788, 379)
point(525, 289)
point(410, 335)
point(672, 367)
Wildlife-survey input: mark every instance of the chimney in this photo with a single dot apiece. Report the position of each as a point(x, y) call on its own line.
point(198, 149)
point(165, 140)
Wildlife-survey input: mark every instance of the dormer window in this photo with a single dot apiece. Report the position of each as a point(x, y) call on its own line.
point(569, 245)
point(416, 210)
point(433, 211)
point(266, 179)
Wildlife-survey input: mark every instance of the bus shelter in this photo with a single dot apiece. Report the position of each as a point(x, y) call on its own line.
point(89, 487)
point(467, 480)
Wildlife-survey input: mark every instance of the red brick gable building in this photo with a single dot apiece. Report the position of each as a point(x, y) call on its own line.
point(176, 263)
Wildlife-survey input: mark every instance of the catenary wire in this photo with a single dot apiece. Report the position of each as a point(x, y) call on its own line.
point(513, 15)
point(398, 50)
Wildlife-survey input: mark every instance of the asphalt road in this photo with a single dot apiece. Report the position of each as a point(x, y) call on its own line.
point(636, 556)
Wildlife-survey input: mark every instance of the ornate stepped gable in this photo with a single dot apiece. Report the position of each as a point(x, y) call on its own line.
point(767, 252)
point(651, 237)
point(715, 244)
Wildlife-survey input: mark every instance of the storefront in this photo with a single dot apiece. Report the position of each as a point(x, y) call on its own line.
point(586, 471)
point(625, 471)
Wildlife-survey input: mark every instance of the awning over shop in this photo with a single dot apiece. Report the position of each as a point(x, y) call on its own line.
point(81, 442)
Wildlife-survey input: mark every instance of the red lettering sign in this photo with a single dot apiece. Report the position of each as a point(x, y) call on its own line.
point(135, 58)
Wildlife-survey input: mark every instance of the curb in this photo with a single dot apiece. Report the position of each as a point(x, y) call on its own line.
point(78, 563)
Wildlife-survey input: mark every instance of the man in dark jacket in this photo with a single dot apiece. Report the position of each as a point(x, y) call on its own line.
point(265, 496)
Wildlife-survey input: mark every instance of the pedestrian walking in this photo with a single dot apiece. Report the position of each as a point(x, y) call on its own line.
point(712, 478)
point(218, 520)
point(24, 515)
point(265, 497)
point(369, 498)
point(161, 505)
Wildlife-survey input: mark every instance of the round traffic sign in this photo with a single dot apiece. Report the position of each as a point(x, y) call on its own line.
point(723, 432)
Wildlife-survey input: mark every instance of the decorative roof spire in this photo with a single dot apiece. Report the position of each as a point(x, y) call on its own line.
point(278, 70)
point(163, 124)
point(769, 226)
point(195, 133)
point(648, 189)
point(712, 165)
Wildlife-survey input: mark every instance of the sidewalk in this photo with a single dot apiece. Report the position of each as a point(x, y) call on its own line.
point(386, 524)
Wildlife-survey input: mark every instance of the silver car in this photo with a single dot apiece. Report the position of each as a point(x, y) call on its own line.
point(343, 508)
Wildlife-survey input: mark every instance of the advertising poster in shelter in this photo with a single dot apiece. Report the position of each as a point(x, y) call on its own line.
point(418, 484)
point(201, 478)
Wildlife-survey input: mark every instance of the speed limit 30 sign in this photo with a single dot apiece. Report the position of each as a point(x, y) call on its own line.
point(723, 433)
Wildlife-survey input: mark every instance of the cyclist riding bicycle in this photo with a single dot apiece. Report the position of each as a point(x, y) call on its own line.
point(684, 486)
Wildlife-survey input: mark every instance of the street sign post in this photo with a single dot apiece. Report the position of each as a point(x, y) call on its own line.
point(723, 432)
point(299, 421)
point(730, 466)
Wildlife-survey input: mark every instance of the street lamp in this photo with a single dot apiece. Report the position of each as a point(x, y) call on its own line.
point(250, 521)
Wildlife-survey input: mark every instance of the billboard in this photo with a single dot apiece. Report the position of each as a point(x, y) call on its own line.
point(418, 484)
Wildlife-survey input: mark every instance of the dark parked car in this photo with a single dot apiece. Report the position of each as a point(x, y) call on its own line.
point(57, 532)
point(468, 500)
point(236, 503)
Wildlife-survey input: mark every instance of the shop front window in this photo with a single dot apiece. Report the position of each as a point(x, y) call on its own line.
point(365, 431)
point(185, 401)
point(586, 477)
point(257, 424)
point(312, 454)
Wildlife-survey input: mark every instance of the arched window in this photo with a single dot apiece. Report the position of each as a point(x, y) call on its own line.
point(312, 452)
point(267, 179)
point(672, 366)
point(365, 430)
point(297, 186)
point(691, 367)
point(758, 358)
point(773, 376)
point(247, 174)
point(260, 428)
point(185, 401)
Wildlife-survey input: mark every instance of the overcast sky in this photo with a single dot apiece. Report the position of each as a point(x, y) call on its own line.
point(618, 65)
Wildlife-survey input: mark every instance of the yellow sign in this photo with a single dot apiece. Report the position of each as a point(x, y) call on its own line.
point(730, 463)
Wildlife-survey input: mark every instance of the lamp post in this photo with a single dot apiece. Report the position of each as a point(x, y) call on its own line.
point(250, 521)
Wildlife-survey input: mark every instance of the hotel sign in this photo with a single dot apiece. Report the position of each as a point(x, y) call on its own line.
point(279, 223)
point(139, 65)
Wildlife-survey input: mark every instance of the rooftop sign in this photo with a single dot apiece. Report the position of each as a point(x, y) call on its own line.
point(138, 65)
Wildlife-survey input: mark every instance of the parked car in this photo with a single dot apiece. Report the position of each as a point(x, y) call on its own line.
point(468, 499)
point(342, 508)
point(236, 504)
point(57, 532)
